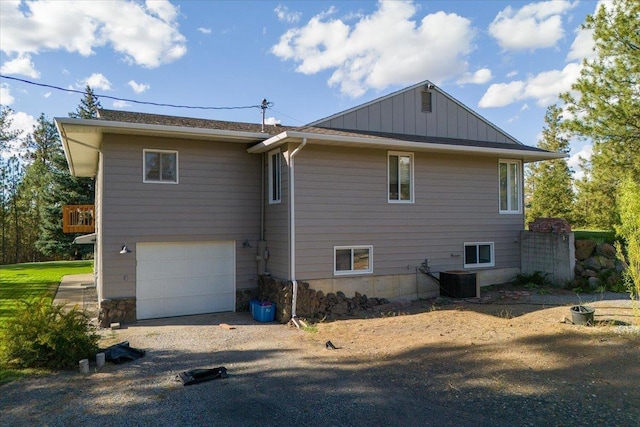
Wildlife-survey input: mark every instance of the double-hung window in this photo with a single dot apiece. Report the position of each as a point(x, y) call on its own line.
point(400, 177)
point(274, 176)
point(478, 254)
point(160, 166)
point(510, 193)
point(353, 259)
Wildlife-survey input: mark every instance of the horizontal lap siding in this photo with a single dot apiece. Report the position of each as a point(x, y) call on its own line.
point(341, 199)
point(217, 199)
point(277, 225)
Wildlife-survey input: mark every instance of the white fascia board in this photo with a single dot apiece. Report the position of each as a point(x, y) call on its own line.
point(93, 125)
point(389, 143)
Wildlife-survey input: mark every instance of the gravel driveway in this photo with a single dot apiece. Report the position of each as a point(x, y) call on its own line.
point(280, 376)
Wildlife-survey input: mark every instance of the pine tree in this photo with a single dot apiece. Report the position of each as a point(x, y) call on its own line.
point(549, 183)
point(89, 106)
point(66, 190)
point(606, 108)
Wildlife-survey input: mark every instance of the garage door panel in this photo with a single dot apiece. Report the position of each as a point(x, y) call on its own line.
point(176, 279)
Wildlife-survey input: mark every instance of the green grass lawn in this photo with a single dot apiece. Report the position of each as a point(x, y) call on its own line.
point(34, 280)
point(27, 281)
point(599, 236)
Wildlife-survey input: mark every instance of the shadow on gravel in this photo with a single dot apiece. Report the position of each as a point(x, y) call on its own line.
point(594, 382)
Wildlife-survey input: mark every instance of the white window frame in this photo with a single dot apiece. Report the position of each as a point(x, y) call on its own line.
point(411, 178)
point(509, 191)
point(273, 197)
point(477, 246)
point(352, 248)
point(144, 167)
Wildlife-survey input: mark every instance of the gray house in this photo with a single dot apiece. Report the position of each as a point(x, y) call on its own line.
point(191, 212)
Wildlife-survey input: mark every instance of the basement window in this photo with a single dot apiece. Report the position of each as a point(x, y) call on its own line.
point(478, 254)
point(353, 260)
point(160, 166)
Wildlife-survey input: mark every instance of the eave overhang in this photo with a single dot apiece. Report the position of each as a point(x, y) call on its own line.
point(82, 138)
point(512, 151)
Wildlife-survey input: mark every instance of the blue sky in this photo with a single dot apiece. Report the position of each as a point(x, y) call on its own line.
point(507, 60)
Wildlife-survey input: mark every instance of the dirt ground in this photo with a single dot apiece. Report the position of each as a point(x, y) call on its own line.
point(508, 359)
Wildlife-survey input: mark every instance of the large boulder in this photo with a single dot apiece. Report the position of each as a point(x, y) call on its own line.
point(584, 249)
point(607, 250)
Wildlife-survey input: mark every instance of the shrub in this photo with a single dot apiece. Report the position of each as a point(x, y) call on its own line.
point(534, 280)
point(45, 335)
point(629, 229)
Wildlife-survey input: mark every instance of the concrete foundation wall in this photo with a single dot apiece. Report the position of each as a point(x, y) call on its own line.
point(407, 286)
point(552, 253)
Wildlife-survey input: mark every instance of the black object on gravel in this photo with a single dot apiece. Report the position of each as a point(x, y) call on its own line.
point(121, 353)
point(196, 376)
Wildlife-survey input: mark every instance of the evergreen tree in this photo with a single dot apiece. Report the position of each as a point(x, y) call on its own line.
point(606, 108)
point(7, 136)
point(66, 190)
point(41, 146)
point(89, 106)
point(549, 183)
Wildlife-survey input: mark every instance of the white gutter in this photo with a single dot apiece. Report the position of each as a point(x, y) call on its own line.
point(102, 125)
point(292, 231)
point(389, 143)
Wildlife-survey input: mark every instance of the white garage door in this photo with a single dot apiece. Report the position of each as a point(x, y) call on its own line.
point(177, 279)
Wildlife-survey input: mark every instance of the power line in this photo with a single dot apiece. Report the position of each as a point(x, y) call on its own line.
point(158, 104)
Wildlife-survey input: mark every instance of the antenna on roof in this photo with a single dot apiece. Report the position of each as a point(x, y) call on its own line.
point(263, 106)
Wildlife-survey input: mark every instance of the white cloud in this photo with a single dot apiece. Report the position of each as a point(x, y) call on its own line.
point(163, 9)
point(501, 94)
point(22, 64)
point(544, 88)
point(22, 122)
point(524, 107)
point(138, 87)
point(96, 81)
point(204, 30)
point(512, 73)
point(6, 98)
point(271, 121)
point(576, 158)
point(582, 46)
point(481, 76)
point(146, 35)
point(366, 55)
point(46, 95)
point(120, 104)
point(534, 26)
point(284, 15)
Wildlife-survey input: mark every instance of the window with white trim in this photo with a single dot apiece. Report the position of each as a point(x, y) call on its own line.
point(274, 176)
point(353, 259)
point(478, 254)
point(400, 177)
point(510, 185)
point(160, 166)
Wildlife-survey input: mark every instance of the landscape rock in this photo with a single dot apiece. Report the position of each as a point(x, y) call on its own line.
point(584, 249)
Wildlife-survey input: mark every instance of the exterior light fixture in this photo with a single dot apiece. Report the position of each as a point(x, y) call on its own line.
point(125, 249)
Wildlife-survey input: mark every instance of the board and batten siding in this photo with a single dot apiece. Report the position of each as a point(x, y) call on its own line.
point(341, 200)
point(402, 113)
point(217, 199)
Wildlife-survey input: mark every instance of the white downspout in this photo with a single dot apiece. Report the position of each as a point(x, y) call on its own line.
point(292, 232)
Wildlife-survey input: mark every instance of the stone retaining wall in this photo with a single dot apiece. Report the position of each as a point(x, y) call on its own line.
point(312, 304)
point(597, 265)
point(117, 310)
